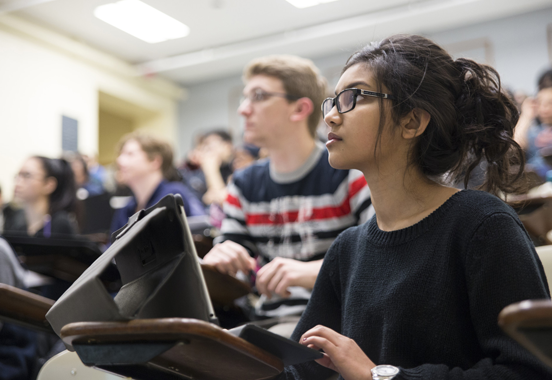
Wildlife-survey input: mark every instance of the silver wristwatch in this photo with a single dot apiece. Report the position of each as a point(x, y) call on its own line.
point(384, 372)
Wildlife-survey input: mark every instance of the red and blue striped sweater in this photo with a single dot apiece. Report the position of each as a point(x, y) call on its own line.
point(293, 215)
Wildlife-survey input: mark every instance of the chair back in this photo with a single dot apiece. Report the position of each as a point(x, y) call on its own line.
point(530, 324)
point(539, 223)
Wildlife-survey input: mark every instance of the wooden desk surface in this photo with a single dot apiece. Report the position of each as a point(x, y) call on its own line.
point(223, 288)
point(201, 350)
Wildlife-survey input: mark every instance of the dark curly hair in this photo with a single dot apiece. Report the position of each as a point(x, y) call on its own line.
point(472, 120)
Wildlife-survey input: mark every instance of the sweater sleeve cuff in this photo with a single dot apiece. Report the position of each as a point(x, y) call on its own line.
point(409, 374)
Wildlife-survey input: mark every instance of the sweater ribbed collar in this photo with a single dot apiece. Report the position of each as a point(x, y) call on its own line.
point(302, 171)
point(392, 238)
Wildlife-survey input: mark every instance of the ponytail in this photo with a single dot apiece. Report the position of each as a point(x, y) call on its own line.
point(472, 121)
point(63, 198)
point(487, 118)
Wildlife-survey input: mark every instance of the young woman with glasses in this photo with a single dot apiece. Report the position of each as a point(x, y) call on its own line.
point(415, 292)
point(45, 187)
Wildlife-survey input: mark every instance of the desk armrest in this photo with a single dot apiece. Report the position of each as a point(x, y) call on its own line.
point(193, 348)
point(24, 308)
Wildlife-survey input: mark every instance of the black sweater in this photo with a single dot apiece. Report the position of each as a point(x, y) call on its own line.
point(426, 298)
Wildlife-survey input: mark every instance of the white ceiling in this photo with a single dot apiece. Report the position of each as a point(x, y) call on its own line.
point(226, 34)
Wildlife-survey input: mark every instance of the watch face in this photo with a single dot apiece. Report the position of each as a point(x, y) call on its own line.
point(386, 370)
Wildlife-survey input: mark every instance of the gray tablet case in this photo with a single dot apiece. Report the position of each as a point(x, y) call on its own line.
point(160, 273)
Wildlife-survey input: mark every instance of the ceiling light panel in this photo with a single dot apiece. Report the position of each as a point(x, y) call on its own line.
point(308, 3)
point(141, 21)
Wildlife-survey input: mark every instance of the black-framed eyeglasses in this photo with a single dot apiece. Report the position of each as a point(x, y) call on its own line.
point(259, 95)
point(346, 100)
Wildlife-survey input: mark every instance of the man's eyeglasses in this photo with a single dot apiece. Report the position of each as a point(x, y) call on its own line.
point(260, 95)
point(346, 100)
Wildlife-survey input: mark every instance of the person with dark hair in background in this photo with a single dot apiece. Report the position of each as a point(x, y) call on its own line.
point(87, 185)
point(145, 165)
point(245, 155)
point(415, 292)
point(209, 165)
point(190, 170)
point(545, 80)
point(534, 128)
point(216, 156)
point(45, 187)
point(96, 172)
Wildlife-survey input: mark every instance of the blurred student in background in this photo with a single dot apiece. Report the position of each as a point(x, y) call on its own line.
point(534, 129)
point(145, 165)
point(216, 155)
point(209, 165)
point(96, 172)
point(190, 169)
point(45, 188)
point(245, 155)
point(91, 185)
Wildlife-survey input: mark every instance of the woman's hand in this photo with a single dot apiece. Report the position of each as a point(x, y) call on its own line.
point(341, 354)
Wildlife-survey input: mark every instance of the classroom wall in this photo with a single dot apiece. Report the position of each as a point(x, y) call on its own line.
point(521, 46)
point(44, 75)
point(516, 46)
point(112, 127)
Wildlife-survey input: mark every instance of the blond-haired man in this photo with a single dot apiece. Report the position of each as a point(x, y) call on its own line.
point(283, 213)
